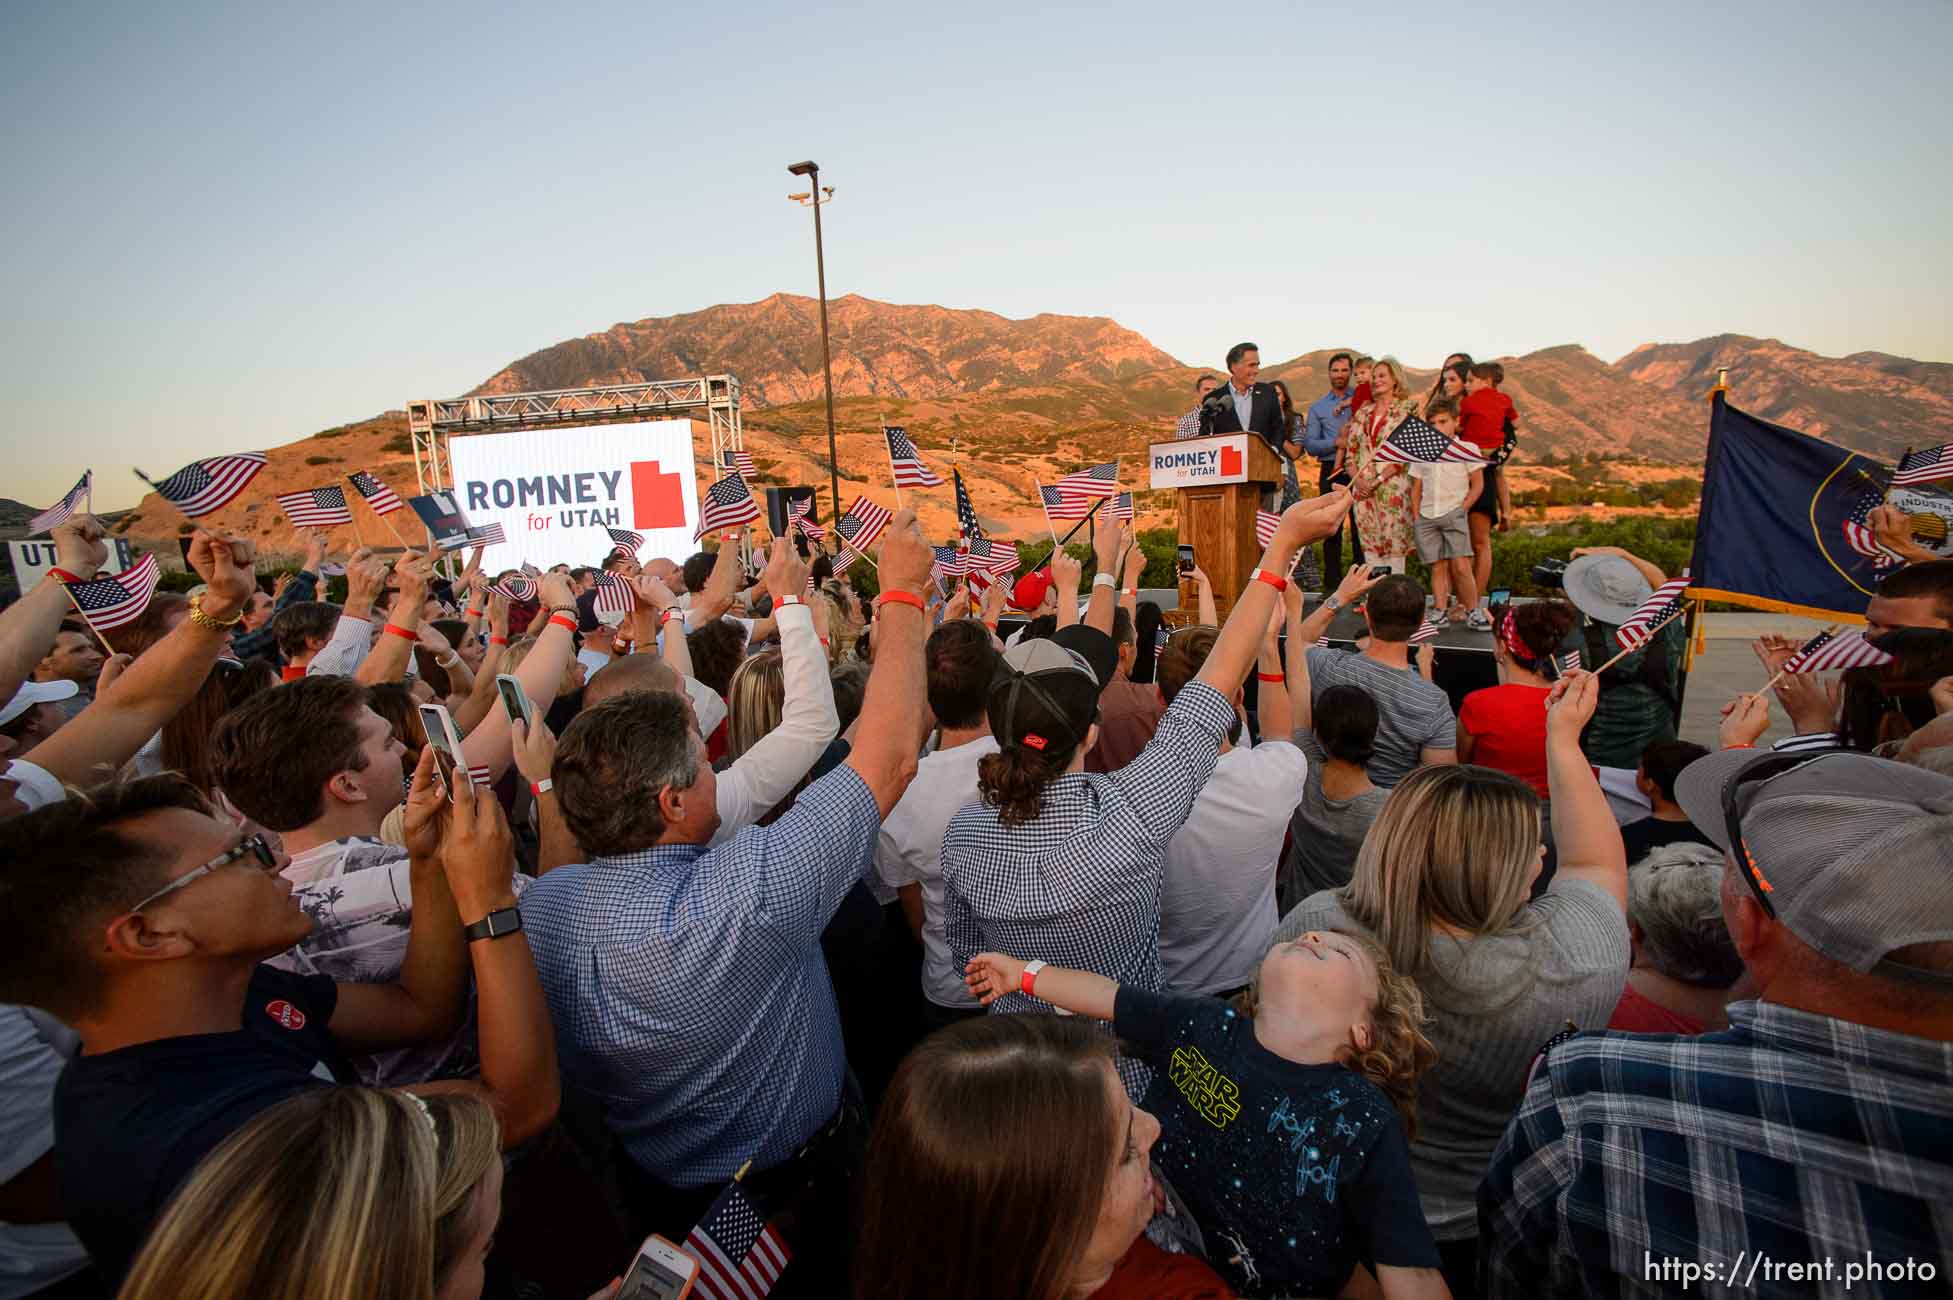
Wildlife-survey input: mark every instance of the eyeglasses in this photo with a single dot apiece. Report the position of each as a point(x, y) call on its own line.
point(1763, 768)
point(251, 844)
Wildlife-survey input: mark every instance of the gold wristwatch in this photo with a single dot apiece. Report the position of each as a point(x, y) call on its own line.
point(202, 619)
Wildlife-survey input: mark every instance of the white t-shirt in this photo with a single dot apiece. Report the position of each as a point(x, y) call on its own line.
point(34, 1046)
point(1217, 895)
point(909, 850)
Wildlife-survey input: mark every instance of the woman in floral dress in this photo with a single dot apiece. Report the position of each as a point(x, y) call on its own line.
point(1382, 491)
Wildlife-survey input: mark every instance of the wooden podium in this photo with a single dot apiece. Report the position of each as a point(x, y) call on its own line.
point(1221, 482)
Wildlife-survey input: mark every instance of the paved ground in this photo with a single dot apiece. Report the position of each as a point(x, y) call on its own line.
point(1730, 668)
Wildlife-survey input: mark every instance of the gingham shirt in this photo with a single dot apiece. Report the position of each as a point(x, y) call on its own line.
point(688, 990)
point(1079, 884)
point(1788, 1137)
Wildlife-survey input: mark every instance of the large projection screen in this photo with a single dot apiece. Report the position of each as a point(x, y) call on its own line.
point(555, 490)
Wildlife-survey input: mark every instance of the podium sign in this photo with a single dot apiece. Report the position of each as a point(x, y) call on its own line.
point(1221, 482)
point(1198, 462)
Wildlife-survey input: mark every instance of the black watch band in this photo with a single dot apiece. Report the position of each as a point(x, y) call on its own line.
point(501, 921)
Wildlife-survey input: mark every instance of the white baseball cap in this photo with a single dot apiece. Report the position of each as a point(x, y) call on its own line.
point(32, 693)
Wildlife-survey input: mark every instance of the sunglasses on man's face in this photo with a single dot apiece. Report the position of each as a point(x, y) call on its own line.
point(250, 846)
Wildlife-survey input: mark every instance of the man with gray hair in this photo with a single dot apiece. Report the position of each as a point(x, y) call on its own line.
point(1818, 1128)
point(1685, 968)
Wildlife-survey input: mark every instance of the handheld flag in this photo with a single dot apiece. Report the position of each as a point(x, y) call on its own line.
point(800, 511)
point(1651, 613)
point(487, 535)
point(1428, 630)
point(998, 559)
point(1057, 505)
point(66, 508)
point(1120, 507)
point(1160, 637)
point(739, 462)
point(966, 517)
point(519, 590)
point(728, 504)
point(740, 1254)
point(843, 560)
point(614, 595)
point(1831, 650)
point(627, 542)
point(1928, 466)
point(1265, 526)
point(204, 487)
point(119, 599)
point(905, 462)
point(1416, 443)
point(378, 495)
point(861, 524)
point(952, 561)
point(320, 507)
point(1858, 532)
point(1098, 481)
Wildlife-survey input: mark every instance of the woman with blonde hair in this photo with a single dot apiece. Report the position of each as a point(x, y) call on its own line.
point(335, 1193)
point(1382, 490)
point(754, 701)
point(1442, 883)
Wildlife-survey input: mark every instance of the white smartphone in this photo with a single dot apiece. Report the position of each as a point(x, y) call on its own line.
point(661, 1271)
point(446, 740)
point(515, 699)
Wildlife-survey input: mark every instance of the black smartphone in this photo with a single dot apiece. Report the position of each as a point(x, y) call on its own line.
point(1499, 596)
point(1186, 554)
point(1379, 571)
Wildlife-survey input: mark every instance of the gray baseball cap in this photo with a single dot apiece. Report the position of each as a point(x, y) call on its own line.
point(1857, 851)
point(1043, 696)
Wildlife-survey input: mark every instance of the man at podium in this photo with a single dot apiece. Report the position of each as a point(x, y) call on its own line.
point(1243, 406)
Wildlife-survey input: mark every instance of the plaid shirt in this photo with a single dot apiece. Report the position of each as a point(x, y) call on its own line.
point(1788, 1137)
point(688, 990)
point(1188, 426)
point(1079, 884)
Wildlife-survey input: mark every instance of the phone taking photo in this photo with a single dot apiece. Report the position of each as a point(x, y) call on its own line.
point(1186, 554)
point(515, 700)
point(446, 740)
point(661, 1271)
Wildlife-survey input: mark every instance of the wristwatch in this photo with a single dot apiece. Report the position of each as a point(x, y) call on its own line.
point(1331, 604)
point(502, 921)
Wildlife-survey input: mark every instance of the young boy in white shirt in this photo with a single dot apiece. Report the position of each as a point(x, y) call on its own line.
point(1439, 495)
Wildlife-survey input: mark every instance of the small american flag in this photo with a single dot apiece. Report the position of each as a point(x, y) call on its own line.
point(1121, 507)
point(1265, 526)
point(740, 1254)
point(626, 541)
point(862, 523)
point(800, 511)
point(966, 517)
point(487, 535)
point(905, 461)
point(1428, 630)
point(728, 504)
point(1322, 642)
point(63, 510)
point(530, 571)
point(998, 559)
point(1059, 506)
point(1098, 481)
point(1829, 650)
point(952, 561)
point(1652, 612)
point(320, 507)
point(1417, 443)
point(1858, 532)
point(117, 600)
point(739, 462)
point(1160, 638)
point(1928, 466)
point(206, 486)
point(516, 589)
point(843, 560)
point(614, 595)
point(378, 495)
point(1569, 662)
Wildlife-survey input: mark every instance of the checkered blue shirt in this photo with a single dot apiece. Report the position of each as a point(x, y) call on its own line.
point(1079, 884)
point(688, 990)
point(1788, 1137)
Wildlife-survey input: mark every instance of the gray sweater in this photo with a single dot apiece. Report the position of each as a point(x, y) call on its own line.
point(1564, 958)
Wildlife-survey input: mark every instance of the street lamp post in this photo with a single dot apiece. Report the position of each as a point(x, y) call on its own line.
point(815, 197)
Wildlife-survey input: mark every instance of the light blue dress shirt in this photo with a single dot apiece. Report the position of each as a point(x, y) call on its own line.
point(1324, 425)
point(1244, 403)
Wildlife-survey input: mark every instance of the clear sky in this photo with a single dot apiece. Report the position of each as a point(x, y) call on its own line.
point(229, 225)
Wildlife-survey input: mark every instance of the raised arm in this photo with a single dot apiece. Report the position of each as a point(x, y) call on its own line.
point(895, 714)
point(540, 674)
point(28, 627)
point(1204, 607)
point(535, 755)
point(1065, 574)
point(992, 975)
point(1109, 540)
point(1584, 829)
point(1129, 580)
point(162, 679)
point(387, 660)
point(1276, 709)
point(1302, 523)
point(721, 586)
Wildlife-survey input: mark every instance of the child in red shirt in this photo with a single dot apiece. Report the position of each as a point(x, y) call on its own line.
point(1359, 395)
point(1485, 410)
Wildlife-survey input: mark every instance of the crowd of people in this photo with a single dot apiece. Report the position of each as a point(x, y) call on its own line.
point(983, 957)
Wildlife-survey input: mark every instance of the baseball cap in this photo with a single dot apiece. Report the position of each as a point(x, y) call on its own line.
point(1043, 697)
point(32, 693)
point(1857, 851)
point(1028, 594)
point(1097, 649)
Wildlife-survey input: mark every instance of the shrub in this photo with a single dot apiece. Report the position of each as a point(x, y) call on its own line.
point(321, 460)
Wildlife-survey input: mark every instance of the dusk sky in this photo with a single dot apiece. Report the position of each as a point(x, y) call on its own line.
point(230, 225)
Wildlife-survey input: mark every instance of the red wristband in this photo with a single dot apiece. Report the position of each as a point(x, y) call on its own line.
point(899, 597)
point(498, 640)
point(1029, 979)
point(562, 620)
point(401, 632)
point(477, 613)
point(1739, 746)
point(1270, 677)
point(542, 787)
point(1275, 580)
